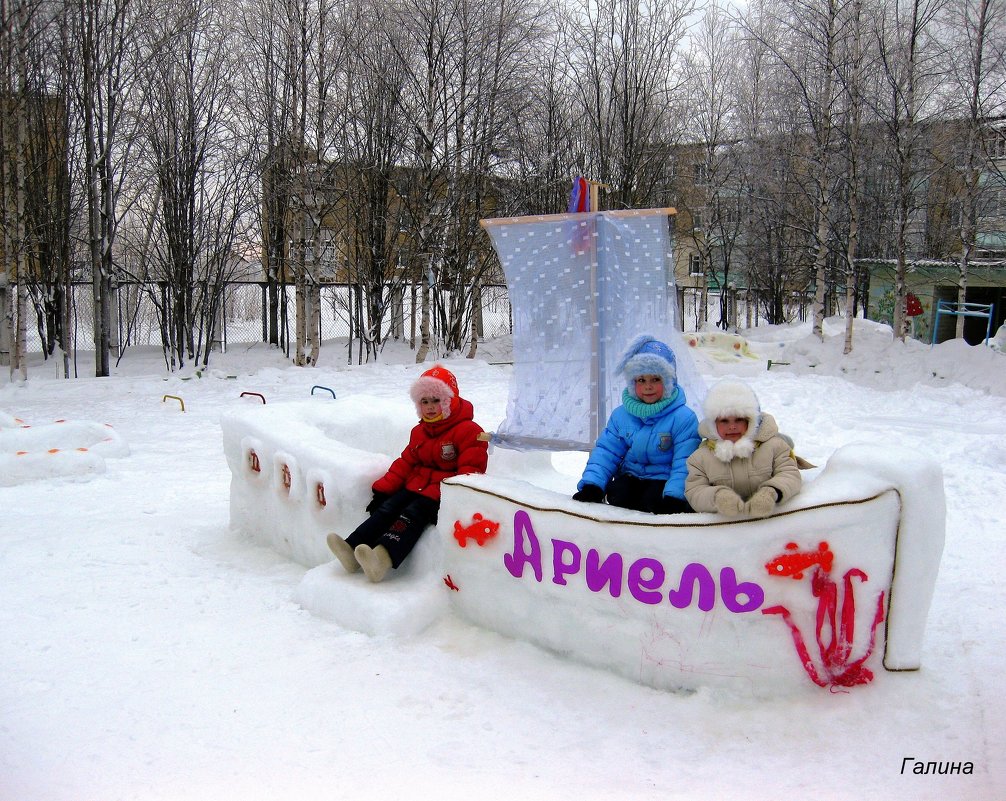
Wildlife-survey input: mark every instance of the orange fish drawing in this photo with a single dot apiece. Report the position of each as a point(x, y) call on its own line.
point(794, 562)
point(480, 530)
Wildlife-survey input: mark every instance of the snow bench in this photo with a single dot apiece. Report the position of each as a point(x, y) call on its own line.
point(830, 590)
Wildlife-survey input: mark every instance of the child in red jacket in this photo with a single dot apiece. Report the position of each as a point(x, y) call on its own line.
point(406, 499)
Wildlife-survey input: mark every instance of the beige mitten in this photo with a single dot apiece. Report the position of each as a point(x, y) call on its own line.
point(761, 503)
point(728, 502)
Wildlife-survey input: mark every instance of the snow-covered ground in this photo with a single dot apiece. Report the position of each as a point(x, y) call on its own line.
point(149, 652)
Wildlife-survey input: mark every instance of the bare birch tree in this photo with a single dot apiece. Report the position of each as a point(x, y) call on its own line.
point(720, 196)
point(977, 80)
point(273, 56)
point(908, 58)
point(541, 154)
point(113, 51)
point(14, 151)
point(464, 62)
point(202, 179)
point(373, 142)
point(624, 54)
point(34, 131)
point(807, 46)
point(852, 80)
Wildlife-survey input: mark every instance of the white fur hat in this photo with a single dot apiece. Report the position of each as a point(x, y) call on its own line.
point(732, 399)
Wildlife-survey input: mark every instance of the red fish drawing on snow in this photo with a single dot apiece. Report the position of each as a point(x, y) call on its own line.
point(794, 562)
point(480, 530)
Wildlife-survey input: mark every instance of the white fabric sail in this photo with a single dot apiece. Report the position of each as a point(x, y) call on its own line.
point(582, 286)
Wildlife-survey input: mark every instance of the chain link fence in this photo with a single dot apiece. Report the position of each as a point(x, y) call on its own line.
point(244, 316)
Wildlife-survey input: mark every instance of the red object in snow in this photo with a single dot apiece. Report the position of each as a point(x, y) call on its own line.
point(835, 628)
point(794, 562)
point(913, 306)
point(480, 530)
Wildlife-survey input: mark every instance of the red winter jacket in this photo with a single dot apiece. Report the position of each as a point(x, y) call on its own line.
point(437, 451)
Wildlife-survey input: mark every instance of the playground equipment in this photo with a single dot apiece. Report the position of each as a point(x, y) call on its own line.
point(950, 309)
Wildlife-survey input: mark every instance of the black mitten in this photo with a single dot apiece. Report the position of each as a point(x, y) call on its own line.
point(379, 498)
point(591, 493)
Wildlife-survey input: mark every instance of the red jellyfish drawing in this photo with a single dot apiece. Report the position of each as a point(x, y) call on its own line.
point(835, 665)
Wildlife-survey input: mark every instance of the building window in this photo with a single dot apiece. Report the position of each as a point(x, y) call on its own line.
point(996, 144)
point(729, 215)
point(695, 264)
point(993, 202)
point(956, 214)
point(328, 261)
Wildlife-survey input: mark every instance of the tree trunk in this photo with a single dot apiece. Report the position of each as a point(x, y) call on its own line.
point(476, 319)
point(852, 246)
point(424, 323)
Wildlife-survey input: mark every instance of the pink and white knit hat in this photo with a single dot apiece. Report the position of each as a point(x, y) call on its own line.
point(437, 382)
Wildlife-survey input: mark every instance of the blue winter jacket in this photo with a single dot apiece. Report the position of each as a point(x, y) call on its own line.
point(652, 448)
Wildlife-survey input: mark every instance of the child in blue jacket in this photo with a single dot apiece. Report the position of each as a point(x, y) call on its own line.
point(640, 459)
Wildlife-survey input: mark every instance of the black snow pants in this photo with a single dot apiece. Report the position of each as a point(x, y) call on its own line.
point(397, 524)
point(643, 495)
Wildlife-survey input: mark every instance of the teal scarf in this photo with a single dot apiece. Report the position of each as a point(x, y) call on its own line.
point(637, 408)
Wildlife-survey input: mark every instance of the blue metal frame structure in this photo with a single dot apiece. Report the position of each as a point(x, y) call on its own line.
point(952, 309)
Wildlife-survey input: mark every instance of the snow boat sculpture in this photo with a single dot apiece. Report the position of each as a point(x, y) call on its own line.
point(830, 590)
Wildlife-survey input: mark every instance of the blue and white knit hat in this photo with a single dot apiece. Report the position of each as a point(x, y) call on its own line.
point(647, 355)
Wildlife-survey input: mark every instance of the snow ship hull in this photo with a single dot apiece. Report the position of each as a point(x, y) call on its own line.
point(830, 590)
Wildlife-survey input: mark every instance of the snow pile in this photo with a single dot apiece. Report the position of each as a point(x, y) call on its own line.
point(878, 360)
point(998, 342)
point(720, 346)
point(62, 448)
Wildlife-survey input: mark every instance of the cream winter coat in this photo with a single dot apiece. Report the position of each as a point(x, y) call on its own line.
point(718, 463)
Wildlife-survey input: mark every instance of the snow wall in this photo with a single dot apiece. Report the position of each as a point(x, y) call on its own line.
point(832, 590)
